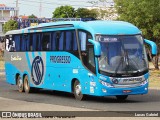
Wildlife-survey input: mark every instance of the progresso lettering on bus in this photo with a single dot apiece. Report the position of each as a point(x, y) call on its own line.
point(60, 59)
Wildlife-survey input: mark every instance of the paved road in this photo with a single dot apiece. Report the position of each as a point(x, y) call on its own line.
point(149, 102)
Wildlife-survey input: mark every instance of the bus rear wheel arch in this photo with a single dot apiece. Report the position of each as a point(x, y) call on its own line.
point(19, 83)
point(77, 90)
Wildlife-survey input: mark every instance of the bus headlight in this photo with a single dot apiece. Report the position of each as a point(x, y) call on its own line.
point(144, 82)
point(105, 83)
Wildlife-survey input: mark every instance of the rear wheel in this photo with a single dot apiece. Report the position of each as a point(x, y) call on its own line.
point(20, 84)
point(77, 90)
point(121, 97)
point(27, 87)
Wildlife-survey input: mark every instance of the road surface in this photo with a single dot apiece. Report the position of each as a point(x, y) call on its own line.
point(47, 100)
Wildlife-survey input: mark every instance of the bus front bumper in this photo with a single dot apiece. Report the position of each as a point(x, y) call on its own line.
point(106, 91)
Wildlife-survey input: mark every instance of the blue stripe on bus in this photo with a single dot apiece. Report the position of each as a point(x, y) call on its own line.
point(33, 55)
point(28, 60)
point(39, 53)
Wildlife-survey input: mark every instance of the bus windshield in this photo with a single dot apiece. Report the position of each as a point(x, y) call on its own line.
point(122, 54)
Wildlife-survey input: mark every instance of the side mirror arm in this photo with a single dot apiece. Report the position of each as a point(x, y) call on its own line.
point(97, 47)
point(153, 46)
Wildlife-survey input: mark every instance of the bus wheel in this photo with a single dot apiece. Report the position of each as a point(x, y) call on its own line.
point(20, 84)
point(77, 90)
point(121, 97)
point(27, 88)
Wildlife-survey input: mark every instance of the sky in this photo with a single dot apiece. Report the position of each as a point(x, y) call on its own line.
point(28, 7)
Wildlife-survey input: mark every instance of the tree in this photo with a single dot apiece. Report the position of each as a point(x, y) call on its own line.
point(70, 12)
point(64, 12)
point(145, 15)
point(10, 25)
point(32, 16)
point(86, 13)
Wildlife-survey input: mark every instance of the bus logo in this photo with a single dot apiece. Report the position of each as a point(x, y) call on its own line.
point(115, 81)
point(37, 70)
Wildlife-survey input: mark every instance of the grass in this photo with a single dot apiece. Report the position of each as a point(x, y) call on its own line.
point(1, 65)
point(154, 79)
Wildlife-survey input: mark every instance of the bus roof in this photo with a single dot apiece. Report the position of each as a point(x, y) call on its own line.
point(95, 27)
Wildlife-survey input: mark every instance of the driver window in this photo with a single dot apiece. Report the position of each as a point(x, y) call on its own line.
point(82, 38)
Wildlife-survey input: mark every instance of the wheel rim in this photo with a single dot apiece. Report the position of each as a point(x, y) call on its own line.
point(20, 85)
point(78, 89)
point(26, 84)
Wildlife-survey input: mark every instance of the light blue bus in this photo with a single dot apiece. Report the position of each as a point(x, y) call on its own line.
point(97, 58)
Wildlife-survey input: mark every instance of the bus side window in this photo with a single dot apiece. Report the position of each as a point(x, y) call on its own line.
point(31, 42)
point(10, 44)
point(36, 42)
point(82, 38)
point(57, 40)
point(91, 61)
point(17, 42)
point(75, 46)
point(68, 40)
point(53, 41)
point(13, 46)
point(46, 41)
point(91, 56)
point(27, 42)
point(61, 41)
point(23, 42)
point(7, 43)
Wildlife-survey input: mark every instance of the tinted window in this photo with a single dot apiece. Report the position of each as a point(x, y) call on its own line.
point(46, 41)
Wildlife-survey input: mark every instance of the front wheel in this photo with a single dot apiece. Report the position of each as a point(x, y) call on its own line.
point(121, 97)
point(77, 90)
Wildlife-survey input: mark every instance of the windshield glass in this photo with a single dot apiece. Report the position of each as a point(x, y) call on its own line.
point(122, 54)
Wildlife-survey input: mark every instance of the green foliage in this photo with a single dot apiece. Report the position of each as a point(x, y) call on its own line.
point(32, 16)
point(142, 13)
point(64, 12)
point(70, 12)
point(145, 15)
point(86, 13)
point(10, 25)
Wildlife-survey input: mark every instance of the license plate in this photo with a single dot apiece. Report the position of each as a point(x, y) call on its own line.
point(127, 91)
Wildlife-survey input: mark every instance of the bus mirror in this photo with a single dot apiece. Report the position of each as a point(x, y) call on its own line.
point(97, 47)
point(153, 46)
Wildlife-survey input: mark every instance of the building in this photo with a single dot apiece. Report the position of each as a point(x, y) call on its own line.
point(106, 10)
point(6, 13)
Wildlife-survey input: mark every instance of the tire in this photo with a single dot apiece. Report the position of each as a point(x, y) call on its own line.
point(121, 97)
point(77, 91)
point(27, 87)
point(20, 84)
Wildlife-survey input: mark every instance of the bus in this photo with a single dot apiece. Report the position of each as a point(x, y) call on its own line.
point(96, 58)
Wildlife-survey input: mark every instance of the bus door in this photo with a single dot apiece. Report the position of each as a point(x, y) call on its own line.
point(88, 61)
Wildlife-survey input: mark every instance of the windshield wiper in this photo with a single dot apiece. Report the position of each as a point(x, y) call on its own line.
point(120, 64)
point(126, 58)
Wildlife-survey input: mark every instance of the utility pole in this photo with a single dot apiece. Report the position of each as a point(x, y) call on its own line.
point(17, 11)
point(40, 9)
